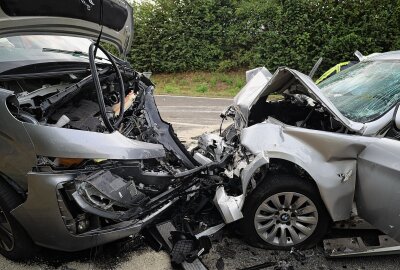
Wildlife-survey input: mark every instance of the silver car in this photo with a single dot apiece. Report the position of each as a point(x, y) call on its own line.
point(309, 155)
point(86, 158)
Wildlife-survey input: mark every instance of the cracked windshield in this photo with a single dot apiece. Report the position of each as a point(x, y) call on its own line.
point(365, 91)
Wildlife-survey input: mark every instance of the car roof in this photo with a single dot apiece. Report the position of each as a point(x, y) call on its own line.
point(393, 55)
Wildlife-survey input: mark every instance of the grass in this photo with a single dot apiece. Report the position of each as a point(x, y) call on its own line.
point(208, 84)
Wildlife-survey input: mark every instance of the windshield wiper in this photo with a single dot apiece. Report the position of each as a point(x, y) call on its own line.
point(73, 53)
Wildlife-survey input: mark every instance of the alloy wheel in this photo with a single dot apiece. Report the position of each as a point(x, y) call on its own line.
point(6, 235)
point(286, 219)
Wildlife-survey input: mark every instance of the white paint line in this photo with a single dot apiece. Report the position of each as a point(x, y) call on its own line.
point(183, 119)
point(193, 106)
point(230, 99)
point(190, 111)
point(187, 124)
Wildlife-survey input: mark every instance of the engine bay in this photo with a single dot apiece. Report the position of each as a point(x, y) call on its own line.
point(108, 192)
point(293, 107)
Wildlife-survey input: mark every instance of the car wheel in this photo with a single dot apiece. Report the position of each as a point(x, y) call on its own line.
point(284, 211)
point(15, 244)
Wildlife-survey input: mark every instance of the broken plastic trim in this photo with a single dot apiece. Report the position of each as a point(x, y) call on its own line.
point(164, 131)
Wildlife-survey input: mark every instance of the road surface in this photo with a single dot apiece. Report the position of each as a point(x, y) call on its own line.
point(192, 116)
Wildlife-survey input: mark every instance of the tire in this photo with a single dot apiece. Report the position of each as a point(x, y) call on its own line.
point(286, 227)
point(19, 245)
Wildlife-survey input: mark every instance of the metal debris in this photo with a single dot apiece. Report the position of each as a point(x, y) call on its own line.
point(298, 255)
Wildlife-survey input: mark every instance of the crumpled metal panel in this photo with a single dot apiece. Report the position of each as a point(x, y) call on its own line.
point(164, 132)
point(21, 143)
point(248, 172)
point(71, 143)
point(250, 93)
point(262, 85)
point(317, 94)
point(229, 206)
point(40, 214)
point(329, 158)
point(16, 149)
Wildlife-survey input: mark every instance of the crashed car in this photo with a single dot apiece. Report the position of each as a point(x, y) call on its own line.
point(307, 155)
point(85, 157)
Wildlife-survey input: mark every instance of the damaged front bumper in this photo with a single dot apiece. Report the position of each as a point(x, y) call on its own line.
point(230, 207)
point(45, 211)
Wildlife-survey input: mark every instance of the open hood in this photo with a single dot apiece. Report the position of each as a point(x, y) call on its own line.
point(261, 84)
point(80, 18)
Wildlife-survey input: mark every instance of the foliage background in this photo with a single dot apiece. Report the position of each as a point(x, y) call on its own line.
point(223, 35)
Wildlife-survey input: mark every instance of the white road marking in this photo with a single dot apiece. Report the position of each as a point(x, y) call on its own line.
point(191, 111)
point(230, 99)
point(197, 106)
point(186, 124)
point(183, 119)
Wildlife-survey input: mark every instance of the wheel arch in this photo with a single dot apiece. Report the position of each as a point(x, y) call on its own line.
point(284, 166)
point(13, 185)
point(336, 195)
point(288, 167)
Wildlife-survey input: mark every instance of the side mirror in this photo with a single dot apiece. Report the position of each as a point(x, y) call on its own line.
point(396, 118)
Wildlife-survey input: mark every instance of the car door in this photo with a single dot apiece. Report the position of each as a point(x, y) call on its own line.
point(378, 185)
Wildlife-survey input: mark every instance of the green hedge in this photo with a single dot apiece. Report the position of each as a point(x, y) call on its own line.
point(187, 35)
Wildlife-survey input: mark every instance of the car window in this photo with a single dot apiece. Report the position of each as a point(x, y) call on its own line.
point(365, 91)
point(30, 47)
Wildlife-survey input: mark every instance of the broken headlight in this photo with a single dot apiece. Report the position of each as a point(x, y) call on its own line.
point(107, 191)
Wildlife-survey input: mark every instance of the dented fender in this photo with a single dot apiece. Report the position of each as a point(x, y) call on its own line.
point(329, 158)
point(248, 172)
point(230, 207)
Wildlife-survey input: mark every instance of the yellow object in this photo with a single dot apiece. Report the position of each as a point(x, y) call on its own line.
point(331, 71)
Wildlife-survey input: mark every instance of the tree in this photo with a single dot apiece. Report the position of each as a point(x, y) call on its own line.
point(186, 35)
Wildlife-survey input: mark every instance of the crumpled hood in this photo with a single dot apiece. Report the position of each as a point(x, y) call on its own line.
point(80, 18)
point(260, 83)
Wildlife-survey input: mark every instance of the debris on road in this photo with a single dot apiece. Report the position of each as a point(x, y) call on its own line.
point(260, 266)
point(356, 246)
point(298, 255)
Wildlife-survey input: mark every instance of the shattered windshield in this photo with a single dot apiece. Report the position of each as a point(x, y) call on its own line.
point(365, 91)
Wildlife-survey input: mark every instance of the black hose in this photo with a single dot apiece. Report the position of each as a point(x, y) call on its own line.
point(25, 117)
point(97, 84)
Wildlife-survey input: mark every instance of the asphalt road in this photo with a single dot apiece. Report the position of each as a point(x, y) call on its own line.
point(190, 118)
point(188, 113)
